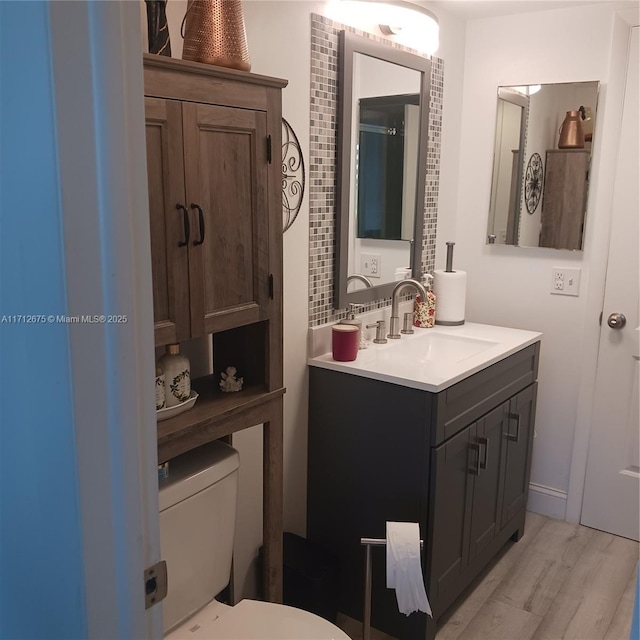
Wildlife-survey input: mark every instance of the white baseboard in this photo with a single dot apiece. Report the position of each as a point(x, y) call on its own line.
point(547, 501)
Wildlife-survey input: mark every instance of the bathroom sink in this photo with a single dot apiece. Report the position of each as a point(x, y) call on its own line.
point(433, 359)
point(444, 347)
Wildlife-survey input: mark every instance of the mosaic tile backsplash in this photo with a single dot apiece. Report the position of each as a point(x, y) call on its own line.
point(322, 171)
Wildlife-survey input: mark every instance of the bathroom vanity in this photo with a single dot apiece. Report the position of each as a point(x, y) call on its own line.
point(435, 428)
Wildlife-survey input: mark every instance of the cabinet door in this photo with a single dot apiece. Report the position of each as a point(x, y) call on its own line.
point(169, 260)
point(453, 466)
point(487, 488)
point(226, 185)
point(564, 199)
point(517, 460)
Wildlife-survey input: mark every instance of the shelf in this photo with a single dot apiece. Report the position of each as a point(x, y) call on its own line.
point(215, 415)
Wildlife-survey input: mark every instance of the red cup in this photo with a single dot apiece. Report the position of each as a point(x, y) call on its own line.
point(344, 342)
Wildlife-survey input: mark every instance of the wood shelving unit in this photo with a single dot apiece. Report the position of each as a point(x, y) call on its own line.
point(215, 415)
point(211, 177)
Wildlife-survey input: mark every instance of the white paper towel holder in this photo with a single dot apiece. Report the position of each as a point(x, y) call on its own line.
point(448, 269)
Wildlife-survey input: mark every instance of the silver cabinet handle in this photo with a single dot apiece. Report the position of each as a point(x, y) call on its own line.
point(484, 442)
point(475, 470)
point(616, 320)
point(516, 436)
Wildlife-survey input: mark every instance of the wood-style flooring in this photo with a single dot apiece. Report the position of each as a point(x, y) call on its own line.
point(559, 582)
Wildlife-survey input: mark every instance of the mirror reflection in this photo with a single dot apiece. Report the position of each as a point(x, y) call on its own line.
point(386, 166)
point(383, 96)
point(542, 154)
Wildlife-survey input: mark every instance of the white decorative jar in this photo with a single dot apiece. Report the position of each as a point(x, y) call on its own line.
point(177, 376)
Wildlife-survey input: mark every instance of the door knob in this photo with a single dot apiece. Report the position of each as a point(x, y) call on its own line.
point(616, 320)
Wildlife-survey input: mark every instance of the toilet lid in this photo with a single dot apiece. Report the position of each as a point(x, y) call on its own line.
point(253, 620)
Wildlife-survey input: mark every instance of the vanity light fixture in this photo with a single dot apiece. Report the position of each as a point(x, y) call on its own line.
point(528, 90)
point(406, 23)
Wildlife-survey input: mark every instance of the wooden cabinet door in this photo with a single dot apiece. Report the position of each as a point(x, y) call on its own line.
point(564, 201)
point(454, 463)
point(487, 488)
point(225, 151)
point(518, 438)
point(169, 260)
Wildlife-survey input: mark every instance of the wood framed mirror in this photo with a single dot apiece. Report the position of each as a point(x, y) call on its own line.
point(383, 109)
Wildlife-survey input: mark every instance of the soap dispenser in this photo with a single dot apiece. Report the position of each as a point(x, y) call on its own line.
point(424, 311)
point(351, 319)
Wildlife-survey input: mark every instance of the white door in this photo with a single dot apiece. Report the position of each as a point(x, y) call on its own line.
point(98, 125)
point(611, 493)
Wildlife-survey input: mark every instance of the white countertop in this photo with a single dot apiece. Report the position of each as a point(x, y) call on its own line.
point(433, 359)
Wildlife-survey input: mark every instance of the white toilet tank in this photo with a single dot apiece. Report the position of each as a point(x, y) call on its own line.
point(197, 524)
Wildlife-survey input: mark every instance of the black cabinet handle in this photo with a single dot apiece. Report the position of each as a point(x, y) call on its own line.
point(516, 437)
point(475, 470)
point(484, 442)
point(185, 220)
point(201, 222)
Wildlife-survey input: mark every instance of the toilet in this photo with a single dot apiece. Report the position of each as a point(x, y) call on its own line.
point(197, 525)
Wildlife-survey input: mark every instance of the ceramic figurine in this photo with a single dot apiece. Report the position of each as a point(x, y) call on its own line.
point(229, 381)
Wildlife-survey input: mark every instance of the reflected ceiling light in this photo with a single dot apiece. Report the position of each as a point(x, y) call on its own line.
point(408, 24)
point(527, 90)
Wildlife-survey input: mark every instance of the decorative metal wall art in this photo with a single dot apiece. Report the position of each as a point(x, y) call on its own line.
point(293, 175)
point(533, 182)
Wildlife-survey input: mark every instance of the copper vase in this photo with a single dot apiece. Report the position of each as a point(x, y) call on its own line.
point(571, 133)
point(214, 33)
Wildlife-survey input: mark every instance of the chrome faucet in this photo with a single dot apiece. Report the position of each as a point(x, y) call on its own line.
point(394, 321)
point(357, 276)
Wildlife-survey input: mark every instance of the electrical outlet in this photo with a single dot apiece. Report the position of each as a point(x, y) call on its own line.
point(370, 265)
point(565, 281)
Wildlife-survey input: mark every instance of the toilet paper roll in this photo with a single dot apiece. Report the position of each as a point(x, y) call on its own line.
point(450, 288)
point(404, 569)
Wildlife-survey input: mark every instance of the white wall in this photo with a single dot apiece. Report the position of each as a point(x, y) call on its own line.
point(278, 34)
point(509, 285)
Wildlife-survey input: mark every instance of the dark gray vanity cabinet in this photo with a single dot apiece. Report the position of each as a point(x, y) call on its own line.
point(457, 462)
point(480, 481)
point(467, 494)
point(518, 442)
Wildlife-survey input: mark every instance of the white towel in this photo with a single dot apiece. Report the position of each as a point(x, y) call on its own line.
point(404, 570)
